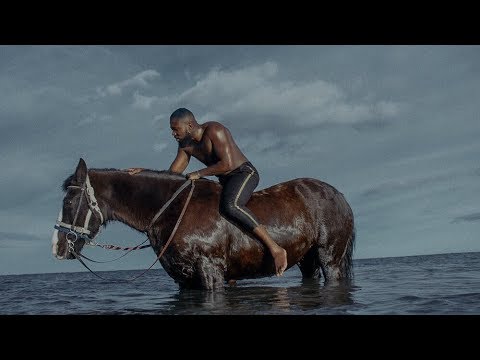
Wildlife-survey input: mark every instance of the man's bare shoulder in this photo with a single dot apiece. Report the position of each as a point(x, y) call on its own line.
point(214, 125)
point(214, 128)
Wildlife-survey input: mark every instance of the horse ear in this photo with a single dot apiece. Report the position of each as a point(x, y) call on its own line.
point(81, 172)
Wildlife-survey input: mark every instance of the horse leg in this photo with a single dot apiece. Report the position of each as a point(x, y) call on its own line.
point(328, 264)
point(310, 264)
point(336, 261)
point(210, 273)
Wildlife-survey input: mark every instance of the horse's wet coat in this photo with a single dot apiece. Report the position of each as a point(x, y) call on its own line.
point(307, 217)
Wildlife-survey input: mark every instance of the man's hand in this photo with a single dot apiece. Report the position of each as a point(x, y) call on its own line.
point(133, 171)
point(193, 176)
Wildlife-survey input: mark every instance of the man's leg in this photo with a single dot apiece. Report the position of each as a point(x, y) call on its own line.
point(279, 254)
point(236, 192)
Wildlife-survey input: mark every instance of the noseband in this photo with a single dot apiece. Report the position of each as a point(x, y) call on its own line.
point(74, 232)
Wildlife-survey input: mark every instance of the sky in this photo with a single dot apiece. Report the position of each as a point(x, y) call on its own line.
point(395, 128)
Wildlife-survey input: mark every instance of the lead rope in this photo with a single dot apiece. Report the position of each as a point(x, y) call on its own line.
point(115, 247)
point(77, 256)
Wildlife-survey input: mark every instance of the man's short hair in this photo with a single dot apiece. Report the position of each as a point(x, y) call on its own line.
point(181, 114)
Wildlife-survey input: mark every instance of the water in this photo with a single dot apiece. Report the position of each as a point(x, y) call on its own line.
point(433, 284)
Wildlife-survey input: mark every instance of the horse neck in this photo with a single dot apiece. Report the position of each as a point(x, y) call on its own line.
point(132, 199)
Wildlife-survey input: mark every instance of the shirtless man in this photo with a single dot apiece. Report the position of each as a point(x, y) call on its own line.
point(212, 144)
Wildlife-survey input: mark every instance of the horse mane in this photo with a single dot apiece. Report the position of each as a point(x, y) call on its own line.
point(145, 173)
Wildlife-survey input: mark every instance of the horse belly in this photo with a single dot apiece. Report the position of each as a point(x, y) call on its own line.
point(256, 261)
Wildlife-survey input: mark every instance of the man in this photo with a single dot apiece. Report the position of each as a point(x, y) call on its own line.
point(212, 144)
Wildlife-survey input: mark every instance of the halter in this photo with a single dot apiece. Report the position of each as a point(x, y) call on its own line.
point(83, 232)
point(78, 231)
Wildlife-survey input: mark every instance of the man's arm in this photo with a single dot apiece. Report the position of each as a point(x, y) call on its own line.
point(221, 147)
point(181, 161)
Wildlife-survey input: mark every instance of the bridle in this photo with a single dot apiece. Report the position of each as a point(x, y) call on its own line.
point(83, 232)
point(74, 232)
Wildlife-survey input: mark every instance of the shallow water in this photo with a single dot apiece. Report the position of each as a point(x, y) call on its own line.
point(432, 284)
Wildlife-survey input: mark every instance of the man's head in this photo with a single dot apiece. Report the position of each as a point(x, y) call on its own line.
point(182, 122)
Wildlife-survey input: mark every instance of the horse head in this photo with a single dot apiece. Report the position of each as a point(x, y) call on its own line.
point(75, 225)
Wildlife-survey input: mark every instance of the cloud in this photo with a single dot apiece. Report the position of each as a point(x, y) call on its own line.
point(390, 187)
point(387, 188)
point(139, 80)
point(9, 243)
point(160, 118)
point(270, 113)
point(143, 102)
point(17, 236)
point(458, 151)
point(10, 240)
point(22, 103)
point(467, 218)
point(94, 118)
point(258, 93)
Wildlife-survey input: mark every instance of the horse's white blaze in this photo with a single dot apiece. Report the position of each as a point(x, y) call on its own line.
point(55, 235)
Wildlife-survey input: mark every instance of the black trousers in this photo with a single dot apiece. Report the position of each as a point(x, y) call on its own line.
point(237, 188)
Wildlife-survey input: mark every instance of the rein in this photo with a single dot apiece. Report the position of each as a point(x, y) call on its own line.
point(174, 229)
point(84, 232)
point(139, 246)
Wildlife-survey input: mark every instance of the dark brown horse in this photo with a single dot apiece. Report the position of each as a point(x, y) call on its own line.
point(307, 217)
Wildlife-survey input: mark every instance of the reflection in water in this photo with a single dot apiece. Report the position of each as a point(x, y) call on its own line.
point(310, 297)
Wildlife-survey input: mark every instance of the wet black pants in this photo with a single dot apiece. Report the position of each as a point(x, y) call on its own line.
point(237, 188)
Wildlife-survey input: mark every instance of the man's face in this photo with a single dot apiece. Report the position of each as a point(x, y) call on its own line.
point(180, 129)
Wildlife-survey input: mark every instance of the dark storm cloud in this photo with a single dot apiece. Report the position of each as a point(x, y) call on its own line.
point(402, 185)
point(467, 218)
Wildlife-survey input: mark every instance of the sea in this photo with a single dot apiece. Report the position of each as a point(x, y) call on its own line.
point(444, 284)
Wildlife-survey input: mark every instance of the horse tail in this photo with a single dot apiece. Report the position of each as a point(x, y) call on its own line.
point(346, 262)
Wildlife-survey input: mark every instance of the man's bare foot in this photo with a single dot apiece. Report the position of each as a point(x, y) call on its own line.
point(280, 257)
